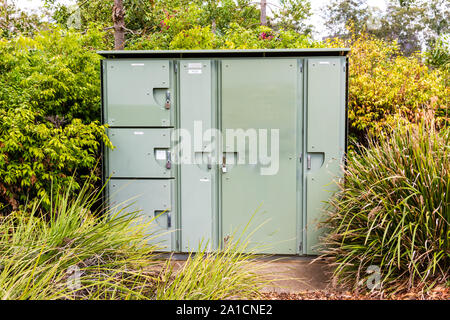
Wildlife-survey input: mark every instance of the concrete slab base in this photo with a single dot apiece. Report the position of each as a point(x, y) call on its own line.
point(296, 274)
point(289, 274)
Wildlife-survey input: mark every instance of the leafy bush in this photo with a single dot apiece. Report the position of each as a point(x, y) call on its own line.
point(36, 155)
point(49, 112)
point(384, 83)
point(393, 210)
point(56, 72)
point(235, 37)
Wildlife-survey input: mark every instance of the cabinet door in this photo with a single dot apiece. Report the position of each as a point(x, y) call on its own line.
point(258, 95)
point(136, 93)
point(140, 153)
point(325, 138)
point(153, 201)
point(197, 170)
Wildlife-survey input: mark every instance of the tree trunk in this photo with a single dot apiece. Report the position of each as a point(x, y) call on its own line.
point(118, 16)
point(263, 17)
point(213, 28)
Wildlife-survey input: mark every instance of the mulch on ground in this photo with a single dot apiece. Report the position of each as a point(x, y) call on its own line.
point(437, 293)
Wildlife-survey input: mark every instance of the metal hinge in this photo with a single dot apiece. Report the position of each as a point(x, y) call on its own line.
point(300, 247)
point(344, 68)
point(175, 67)
point(301, 67)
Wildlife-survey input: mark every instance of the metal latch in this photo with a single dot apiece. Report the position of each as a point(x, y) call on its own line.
point(224, 164)
point(167, 105)
point(169, 219)
point(169, 160)
point(209, 165)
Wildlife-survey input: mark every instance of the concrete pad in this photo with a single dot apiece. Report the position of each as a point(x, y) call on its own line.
point(289, 274)
point(295, 274)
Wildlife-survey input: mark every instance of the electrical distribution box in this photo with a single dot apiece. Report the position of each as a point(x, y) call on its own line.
point(214, 144)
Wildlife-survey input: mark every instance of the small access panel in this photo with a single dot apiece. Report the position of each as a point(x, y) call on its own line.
point(140, 153)
point(152, 200)
point(139, 93)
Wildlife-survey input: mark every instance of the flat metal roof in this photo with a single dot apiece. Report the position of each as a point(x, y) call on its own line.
point(224, 53)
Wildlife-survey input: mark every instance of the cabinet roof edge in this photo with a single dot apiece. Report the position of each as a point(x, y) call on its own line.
point(114, 54)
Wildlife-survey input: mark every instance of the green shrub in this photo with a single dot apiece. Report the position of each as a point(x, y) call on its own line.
point(56, 72)
point(393, 210)
point(235, 37)
point(384, 83)
point(36, 154)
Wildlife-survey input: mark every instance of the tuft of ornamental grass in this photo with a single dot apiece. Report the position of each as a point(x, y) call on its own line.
point(392, 211)
point(232, 272)
point(71, 253)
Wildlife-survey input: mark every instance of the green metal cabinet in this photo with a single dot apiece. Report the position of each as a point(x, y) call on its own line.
point(213, 144)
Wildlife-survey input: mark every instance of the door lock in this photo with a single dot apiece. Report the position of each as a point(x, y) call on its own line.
point(169, 161)
point(167, 105)
point(224, 163)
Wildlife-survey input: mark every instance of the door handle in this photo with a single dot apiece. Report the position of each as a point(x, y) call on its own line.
point(308, 162)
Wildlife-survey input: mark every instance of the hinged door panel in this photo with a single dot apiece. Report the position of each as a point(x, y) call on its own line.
point(197, 170)
point(325, 139)
point(138, 93)
point(261, 94)
point(154, 201)
point(140, 153)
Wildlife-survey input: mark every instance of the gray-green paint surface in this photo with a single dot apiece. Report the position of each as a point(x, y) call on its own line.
point(302, 96)
point(261, 94)
point(325, 147)
point(139, 153)
point(153, 200)
point(136, 93)
point(197, 179)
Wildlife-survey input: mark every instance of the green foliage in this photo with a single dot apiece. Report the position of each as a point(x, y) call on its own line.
point(383, 83)
point(340, 14)
point(36, 155)
point(439, 55)
point(73, 254)
point(236, 37)
point(55, 72)
point(224, 274)
point(14, 21)
point(393, 210)
point(292, 15)
point(49, 112)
